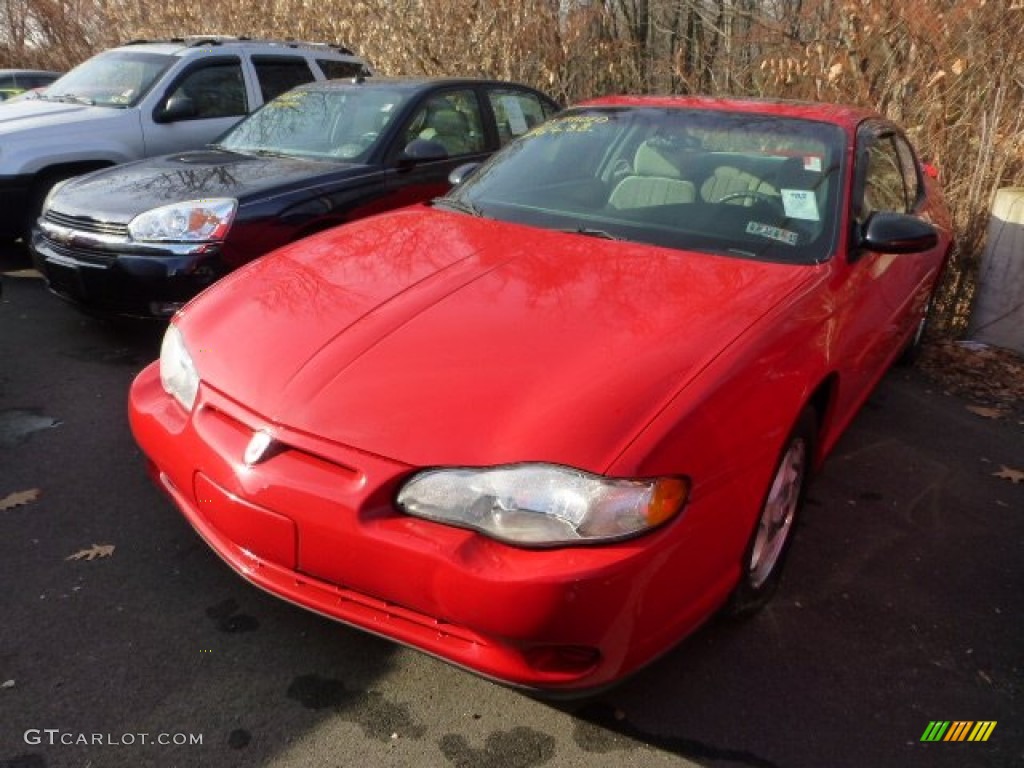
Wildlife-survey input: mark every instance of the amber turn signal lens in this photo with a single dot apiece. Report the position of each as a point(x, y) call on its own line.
point(668, 497)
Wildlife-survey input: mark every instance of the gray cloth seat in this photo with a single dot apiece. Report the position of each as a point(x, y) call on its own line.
point(450, 128)
point(656, 180)
point(728, 180)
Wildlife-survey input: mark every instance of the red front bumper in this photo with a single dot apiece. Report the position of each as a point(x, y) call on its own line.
point(314, 524)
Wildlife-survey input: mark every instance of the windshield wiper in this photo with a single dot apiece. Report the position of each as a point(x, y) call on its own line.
point(268, 153)
point(590, 232)
point(74, 98)
point(462, 206)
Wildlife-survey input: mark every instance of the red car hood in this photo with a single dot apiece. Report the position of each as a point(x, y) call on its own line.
point(438, 338)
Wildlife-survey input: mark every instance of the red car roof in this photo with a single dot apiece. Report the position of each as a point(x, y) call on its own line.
point(840, 114)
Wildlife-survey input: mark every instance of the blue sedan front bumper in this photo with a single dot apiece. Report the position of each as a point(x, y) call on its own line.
point(120, 279)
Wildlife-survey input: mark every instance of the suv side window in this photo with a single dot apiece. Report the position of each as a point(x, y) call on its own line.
point(515, 112)
point(340, 70)
point(452, 119)
point(278, 74)
point(884, 186)
point(216, 89)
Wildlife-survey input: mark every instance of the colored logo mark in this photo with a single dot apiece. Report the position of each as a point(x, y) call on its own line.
point(958, 730)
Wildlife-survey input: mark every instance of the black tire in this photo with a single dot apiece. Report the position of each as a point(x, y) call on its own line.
point(912, 351)
point(765, 554)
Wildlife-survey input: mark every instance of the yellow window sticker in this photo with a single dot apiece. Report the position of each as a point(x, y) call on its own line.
point(571, 124)
point(288, 100)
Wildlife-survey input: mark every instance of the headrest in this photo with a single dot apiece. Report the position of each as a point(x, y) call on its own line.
point(448, 121)
point(653, 158)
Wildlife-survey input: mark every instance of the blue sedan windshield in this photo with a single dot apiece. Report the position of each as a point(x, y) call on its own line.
point(339, 123)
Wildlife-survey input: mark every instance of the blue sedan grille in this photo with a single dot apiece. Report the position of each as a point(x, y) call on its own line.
point(87, 224)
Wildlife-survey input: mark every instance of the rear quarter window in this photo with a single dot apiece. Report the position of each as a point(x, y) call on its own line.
point(340, 70)
point(515, 113)
point(277, 74)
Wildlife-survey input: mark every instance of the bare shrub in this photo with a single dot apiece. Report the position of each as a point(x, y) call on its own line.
point(952, 71)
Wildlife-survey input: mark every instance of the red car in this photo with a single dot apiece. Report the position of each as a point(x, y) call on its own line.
point(546, 426)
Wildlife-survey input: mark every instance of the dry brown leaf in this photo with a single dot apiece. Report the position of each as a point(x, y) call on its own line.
point(985, 412)
point(20, 498)
point(1013, 475)
point(97, 550)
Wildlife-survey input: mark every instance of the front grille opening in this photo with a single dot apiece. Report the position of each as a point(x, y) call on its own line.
point(86, 224)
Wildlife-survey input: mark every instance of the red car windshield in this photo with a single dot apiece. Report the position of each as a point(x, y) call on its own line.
point(748, 185)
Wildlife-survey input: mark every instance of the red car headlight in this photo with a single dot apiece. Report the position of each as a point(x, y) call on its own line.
point(543, 505)
point(178, 373)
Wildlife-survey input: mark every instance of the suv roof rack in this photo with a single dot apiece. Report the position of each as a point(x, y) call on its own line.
point(196, 41)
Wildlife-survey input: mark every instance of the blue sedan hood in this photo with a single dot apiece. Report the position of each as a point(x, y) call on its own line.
point(118, 194)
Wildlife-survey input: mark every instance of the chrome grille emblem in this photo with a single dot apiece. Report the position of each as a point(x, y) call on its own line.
point(61, 235)
point(257, 448)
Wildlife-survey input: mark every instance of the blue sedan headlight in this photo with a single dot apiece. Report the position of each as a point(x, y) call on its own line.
point(191, 221)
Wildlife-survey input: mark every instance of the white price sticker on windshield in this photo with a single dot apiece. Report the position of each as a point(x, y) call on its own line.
point(800, 204)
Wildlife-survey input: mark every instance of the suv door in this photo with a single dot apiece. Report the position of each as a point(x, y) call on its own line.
point(215, 89)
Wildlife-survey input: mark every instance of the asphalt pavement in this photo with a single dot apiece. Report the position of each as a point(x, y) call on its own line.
point(124, 641)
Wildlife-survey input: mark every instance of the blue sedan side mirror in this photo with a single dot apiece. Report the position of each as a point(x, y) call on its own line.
point(422, 151)
point(463, 172)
